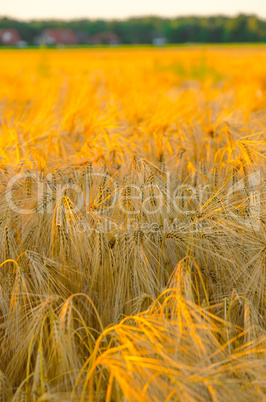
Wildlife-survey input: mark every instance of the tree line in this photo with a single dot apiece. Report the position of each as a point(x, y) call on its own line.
point(143, 30)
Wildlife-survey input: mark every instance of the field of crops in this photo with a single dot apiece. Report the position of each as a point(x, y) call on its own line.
point(133, 224)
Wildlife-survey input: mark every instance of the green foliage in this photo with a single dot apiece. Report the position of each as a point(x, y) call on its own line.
point(218, 29)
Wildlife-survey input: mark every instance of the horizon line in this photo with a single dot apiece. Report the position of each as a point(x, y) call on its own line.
point(110, 19)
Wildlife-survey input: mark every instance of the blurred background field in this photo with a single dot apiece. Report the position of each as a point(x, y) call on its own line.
point(75, 96)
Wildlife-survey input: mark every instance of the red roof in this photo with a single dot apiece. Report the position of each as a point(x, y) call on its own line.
point(109, 38)
point(9, 37)
point(59, 37)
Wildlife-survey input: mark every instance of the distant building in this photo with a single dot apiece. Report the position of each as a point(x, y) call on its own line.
point(82, 37)
point(104, 38)
point(22, 44)
point(9, 37)
point(159, 41)
point(58, 37)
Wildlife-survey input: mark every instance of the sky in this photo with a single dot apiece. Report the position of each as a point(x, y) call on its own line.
point(110, 9)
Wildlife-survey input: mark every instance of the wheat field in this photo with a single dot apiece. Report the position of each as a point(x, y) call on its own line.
point(132, 224)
